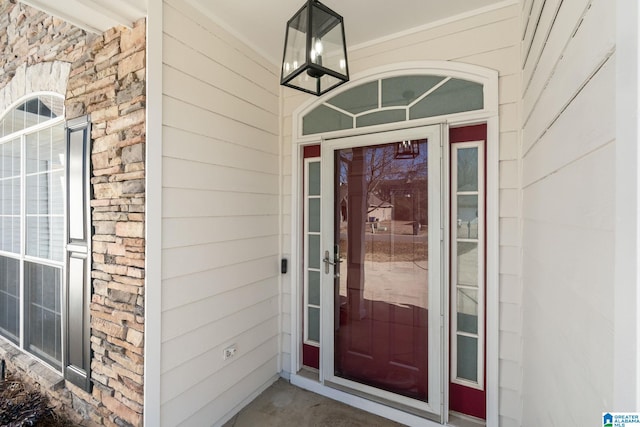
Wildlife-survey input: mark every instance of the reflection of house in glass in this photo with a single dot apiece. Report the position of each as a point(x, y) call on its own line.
point(379, 210)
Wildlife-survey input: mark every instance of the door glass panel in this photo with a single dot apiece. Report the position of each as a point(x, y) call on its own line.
point(467, 308)
point(467, 358)
point(314, 252)
point(314, 287)
point(314, 178)
point(314, 215)
point(381, 302)
point(314, 324)
point(468, 169)
point(467, 262)
point(468, 217)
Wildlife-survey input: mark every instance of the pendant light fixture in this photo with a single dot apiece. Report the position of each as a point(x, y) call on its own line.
point(315, 53)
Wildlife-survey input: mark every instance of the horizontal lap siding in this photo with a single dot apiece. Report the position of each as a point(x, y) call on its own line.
point(220, 220)
point(492, 40)
point(568, 154)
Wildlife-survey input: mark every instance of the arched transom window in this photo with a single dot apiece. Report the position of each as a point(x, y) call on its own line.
point(394, 99)
point(33, 111)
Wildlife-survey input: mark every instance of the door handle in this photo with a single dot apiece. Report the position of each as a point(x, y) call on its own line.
point(328, 261)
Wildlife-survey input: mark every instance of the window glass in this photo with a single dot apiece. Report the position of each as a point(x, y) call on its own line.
point(314, 178)
point(314, 324)
point(468, 169)
point(467, 310)
point(314, 215)
point(325, 119)
point(406, 89)
point(467, 263)
point(10, 196)
point(314, 251)
point(381, 117)
point(467, 358)
point(358, 99)
point(314, 287)
point(394, 99)
point(467, 216)
point(9, 297)
point(43, 285)
point(45, 193)
point(454, 96)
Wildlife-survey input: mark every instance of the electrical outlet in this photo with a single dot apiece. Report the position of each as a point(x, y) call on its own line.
point(229, 351)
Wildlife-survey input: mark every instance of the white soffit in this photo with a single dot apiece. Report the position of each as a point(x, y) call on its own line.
point(96, 16)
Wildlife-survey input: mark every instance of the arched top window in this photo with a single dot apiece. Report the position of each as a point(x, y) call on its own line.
point(394, 99)
point(31, 112)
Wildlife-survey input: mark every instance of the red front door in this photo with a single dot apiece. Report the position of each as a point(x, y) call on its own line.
point(381, 305)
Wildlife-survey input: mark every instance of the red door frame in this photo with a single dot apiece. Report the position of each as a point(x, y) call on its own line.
point(467, 400)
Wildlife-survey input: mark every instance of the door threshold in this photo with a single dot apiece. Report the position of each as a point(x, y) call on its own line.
point(309, 379)
point(457, 419)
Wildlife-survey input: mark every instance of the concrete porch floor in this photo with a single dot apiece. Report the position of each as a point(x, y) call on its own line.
point(283, 405)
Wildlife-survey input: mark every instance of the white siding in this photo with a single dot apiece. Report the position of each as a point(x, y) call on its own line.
point(492, 40)
point(568, 181)
point(220, 220)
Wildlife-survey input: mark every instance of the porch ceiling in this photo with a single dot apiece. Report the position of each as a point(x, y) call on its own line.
point(95, 16)
point(261, 24)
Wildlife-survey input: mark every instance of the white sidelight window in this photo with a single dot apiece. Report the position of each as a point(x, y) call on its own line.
point(468, 264)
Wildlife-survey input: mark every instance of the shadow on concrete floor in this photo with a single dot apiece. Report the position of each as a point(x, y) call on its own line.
point(283, 405)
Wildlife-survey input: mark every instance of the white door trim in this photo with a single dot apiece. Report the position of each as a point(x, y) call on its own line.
point(488, 115)
point(436, 304)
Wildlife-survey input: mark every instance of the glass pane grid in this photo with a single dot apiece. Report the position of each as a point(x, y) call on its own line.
point(45, 194)
point(468, 297)
point(10, 196)
point(33, 165)
point(312, 223)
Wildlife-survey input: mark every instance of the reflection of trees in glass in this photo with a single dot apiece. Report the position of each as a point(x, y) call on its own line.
point(387, 177)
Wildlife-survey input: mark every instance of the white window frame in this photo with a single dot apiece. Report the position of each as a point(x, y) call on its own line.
point(22, 257)
point(305, 279)
point(455, 238)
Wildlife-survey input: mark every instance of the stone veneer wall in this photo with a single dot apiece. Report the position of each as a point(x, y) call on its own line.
point(106, 79)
